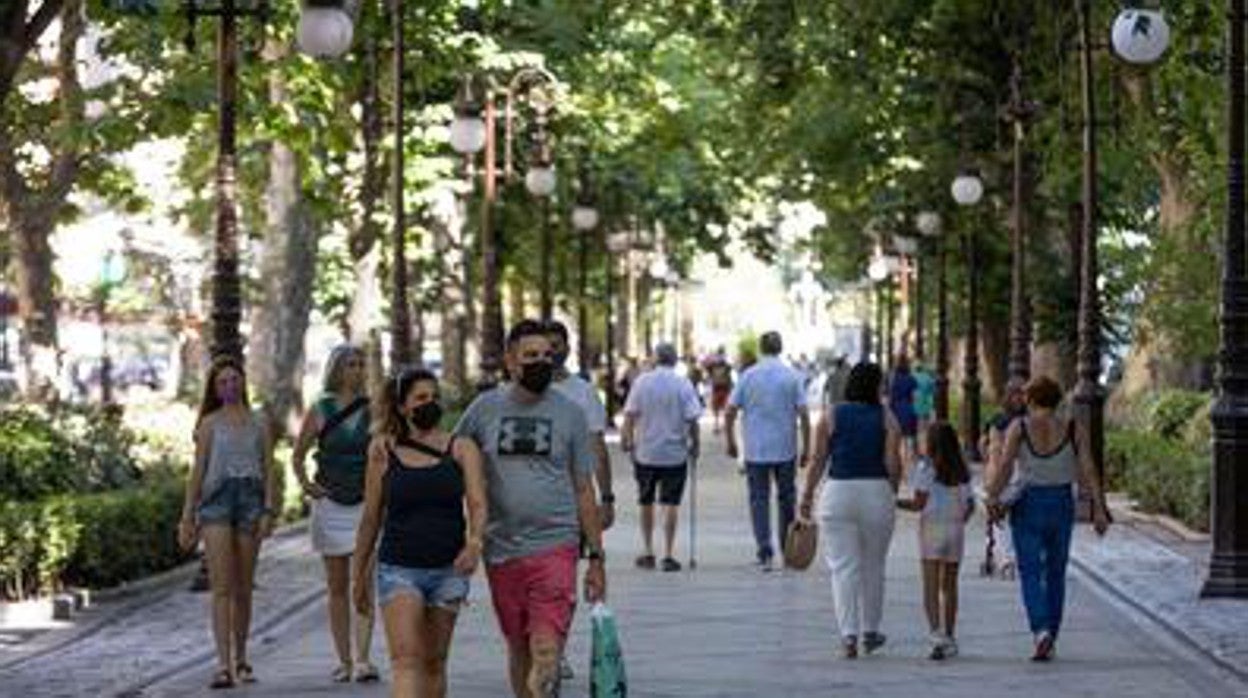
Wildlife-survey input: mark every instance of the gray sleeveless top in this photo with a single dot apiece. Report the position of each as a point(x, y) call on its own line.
point(1048, 469)
point(234, 451)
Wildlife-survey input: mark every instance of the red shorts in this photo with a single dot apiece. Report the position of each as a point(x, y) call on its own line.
point(719, 397)
point(535, 594)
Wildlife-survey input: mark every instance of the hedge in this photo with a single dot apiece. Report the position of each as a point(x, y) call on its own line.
point(92, 540)
point(1163, 476)
point(68, 449)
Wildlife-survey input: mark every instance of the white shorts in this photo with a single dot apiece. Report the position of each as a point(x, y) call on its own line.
point(333, 527)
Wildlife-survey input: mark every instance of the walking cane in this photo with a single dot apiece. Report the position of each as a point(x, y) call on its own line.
point(693, 512)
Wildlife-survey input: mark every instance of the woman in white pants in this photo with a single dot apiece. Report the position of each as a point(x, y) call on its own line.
point(858, 452)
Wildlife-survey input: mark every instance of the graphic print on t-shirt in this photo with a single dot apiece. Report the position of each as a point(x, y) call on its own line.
point(525, 436)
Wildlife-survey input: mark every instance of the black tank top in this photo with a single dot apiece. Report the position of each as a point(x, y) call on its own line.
point(424, 525)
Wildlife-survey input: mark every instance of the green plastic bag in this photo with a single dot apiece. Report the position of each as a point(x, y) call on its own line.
point(606, 669)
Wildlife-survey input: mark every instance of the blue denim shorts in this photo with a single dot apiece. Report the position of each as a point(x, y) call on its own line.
point(442, 587)
point(238, 502)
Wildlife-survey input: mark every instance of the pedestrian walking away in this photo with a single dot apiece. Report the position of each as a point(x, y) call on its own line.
point(772, 397)
point(719, 373)
point(940, 482)
point(420, 481)
point(582, 392)
point(230, 501)
point(858, 449)
point(1050, 453)
point(999, 548)
point(539, 482)
point(661, 432)
point(338, 427)
point(901, 392)
point(924, 398)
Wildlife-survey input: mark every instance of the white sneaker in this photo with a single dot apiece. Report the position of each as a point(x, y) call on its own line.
point(937, 642)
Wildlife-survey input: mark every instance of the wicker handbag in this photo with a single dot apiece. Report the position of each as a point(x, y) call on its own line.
point(800, 544)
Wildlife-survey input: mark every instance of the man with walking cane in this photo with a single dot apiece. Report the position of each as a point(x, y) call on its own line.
point(661, 432)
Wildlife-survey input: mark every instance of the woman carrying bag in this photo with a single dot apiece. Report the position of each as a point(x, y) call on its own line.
point(858, 452)
point(338, 427)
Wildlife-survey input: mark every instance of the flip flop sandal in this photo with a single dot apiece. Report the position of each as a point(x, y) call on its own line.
point(342, 674)
point(244, 672)
point(222, 679)
point(367, 673)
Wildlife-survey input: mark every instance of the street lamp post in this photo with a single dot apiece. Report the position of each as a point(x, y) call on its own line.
point(227, 309)
point(400, 313)
point(469, 134)
point(967, 190)
point(617, 244)
point(1228, 565)
point(584, 220)
point(928, 223)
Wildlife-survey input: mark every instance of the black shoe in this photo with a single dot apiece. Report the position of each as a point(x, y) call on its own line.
point(873, 641)
point(670, 565)
point(645, 562)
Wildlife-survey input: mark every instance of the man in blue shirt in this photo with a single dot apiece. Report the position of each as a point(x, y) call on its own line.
point(773, 399)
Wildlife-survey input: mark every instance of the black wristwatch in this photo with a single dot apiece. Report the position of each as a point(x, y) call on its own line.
point(608, 498)
point(592, 553)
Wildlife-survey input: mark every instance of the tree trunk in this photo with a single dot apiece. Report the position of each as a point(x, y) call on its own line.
point(447, 231)
point(279, 323)
point(994, 353)
point(366, 301)
point(32, 201)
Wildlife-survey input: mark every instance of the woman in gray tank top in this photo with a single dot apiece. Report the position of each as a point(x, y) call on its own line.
point(230, 500)
point(1051, 454)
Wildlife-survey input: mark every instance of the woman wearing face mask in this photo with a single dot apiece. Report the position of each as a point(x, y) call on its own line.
point(418, 482)
point(230, 501)
point(338, 426)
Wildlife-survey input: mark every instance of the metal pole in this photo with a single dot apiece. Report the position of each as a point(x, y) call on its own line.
point(1228, 566)
point(492, 302)
point(942, 334)
point(1020, 301)
point(610, 338)
point(226, 288)
point(400, 318)
point(582, 309)
point(890, 319)
point(547, 302)
point(920, 343)
point(1089, 397)
point(971, 382)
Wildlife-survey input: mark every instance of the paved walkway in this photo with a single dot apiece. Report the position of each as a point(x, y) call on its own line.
point(723, 630)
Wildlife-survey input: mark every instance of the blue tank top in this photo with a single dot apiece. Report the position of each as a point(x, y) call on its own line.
point(856, 447)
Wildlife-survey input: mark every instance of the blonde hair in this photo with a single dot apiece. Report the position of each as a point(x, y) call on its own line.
point(336, 364)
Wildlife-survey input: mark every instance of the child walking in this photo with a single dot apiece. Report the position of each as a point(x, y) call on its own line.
point(942, 493)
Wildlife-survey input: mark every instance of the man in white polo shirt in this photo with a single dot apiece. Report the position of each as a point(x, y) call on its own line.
point(773, 399)
point(661, 431)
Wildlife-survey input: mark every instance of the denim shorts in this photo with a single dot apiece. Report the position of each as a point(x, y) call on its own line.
point(442, 586)
point(237, 502)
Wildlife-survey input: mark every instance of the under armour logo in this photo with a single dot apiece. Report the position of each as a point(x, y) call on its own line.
point(524, 436)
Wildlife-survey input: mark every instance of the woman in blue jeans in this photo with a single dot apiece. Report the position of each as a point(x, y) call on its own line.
point(1050, 453)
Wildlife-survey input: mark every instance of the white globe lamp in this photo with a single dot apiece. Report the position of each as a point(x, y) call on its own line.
point(584, 218)
point(967, 189)
point(540, 180)
point(1140, 36)
point(928, 223)
point(878, 268)
point(467, 133)
point(324, 32)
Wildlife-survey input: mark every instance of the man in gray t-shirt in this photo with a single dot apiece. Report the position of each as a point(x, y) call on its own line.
point(539, 483)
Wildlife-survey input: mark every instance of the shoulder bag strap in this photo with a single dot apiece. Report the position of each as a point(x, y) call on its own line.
point(419, 446)
point(341, 416)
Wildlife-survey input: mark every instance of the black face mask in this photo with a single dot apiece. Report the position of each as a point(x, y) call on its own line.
point(426, 416)
point(536, 376)
point(560, 358)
